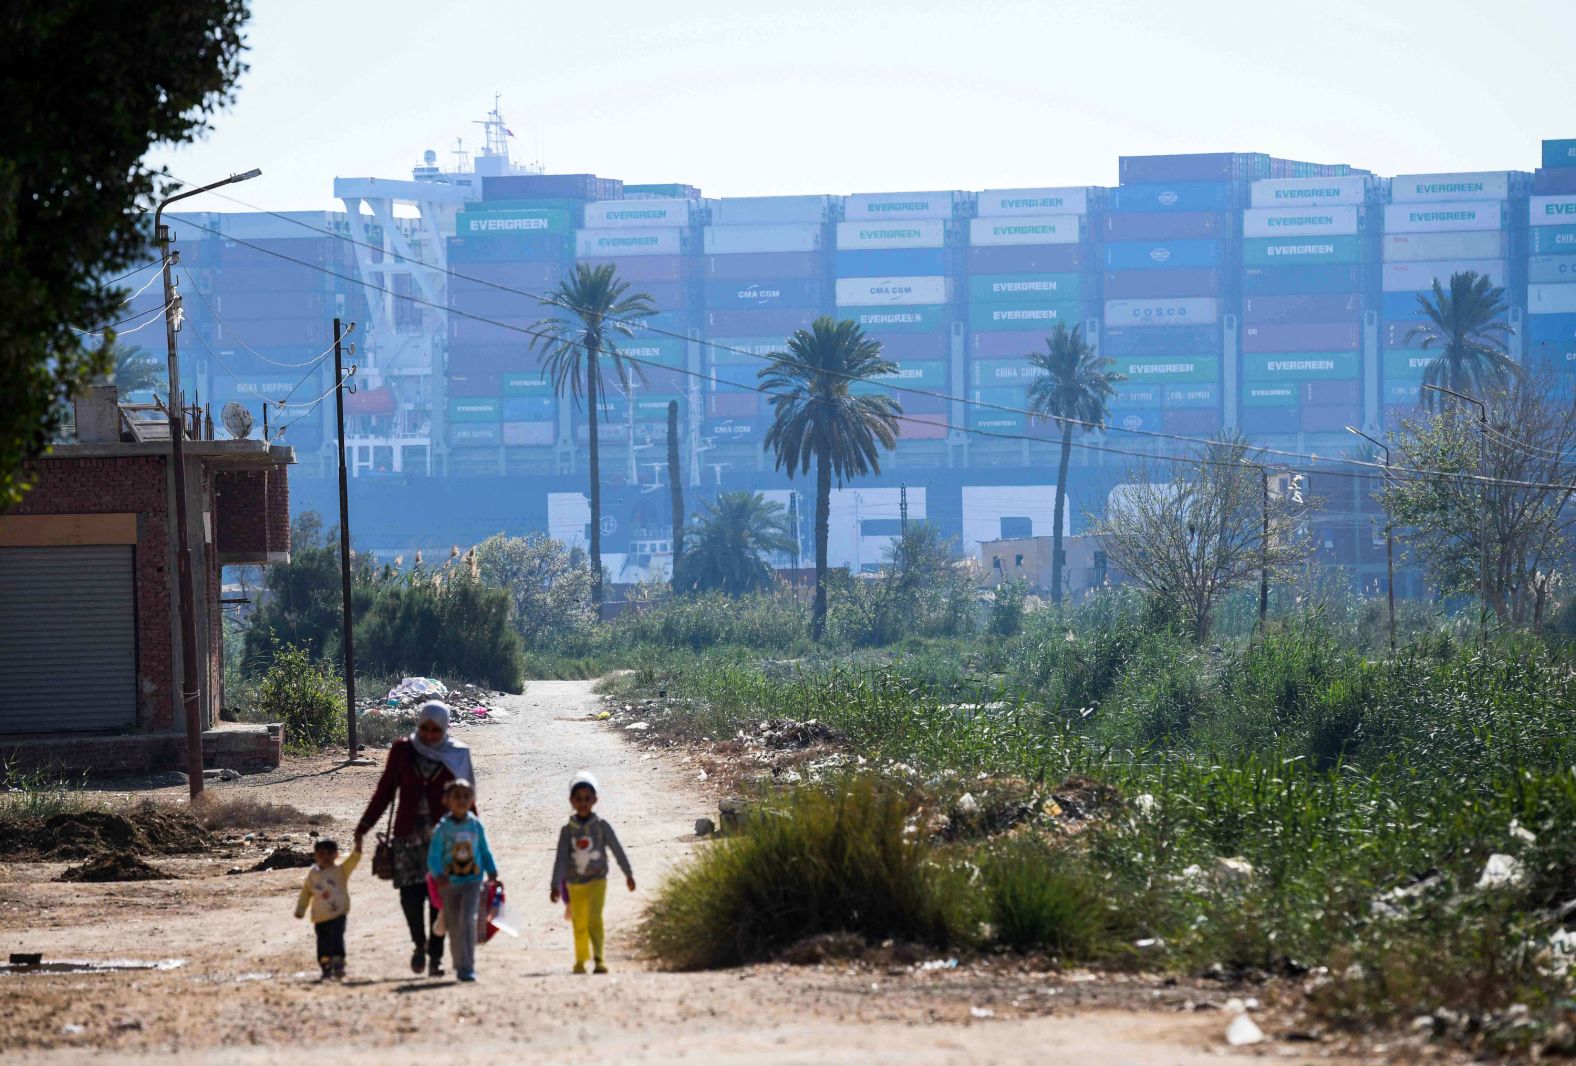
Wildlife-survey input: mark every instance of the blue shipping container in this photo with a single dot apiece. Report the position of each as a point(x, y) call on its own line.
point(1160, 255)
point(1191, 396)
point(1136, 396)
point(1399, 306)
point(528, 408)
point(1178, 196)
point(1292, 280)
point(892, 263)
point(1560, 153)
point(1170, 226)
point(1553, 240)
point(1560, 328)
point(773, 292)
point(1178, 340)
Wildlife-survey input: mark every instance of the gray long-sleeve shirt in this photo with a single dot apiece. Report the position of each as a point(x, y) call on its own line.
point(583, 846)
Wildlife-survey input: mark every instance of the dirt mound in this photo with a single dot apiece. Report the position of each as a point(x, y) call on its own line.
point(283, 858)
point(149, 828)
point(116, 866)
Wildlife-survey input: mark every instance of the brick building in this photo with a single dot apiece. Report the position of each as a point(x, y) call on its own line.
point(90, 648)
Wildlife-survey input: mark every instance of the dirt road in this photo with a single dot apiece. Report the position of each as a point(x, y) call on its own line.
point(245, 988)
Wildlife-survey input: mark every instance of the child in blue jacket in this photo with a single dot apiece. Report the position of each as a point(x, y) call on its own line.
point(457, 858)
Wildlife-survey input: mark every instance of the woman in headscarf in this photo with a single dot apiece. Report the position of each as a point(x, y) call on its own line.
point(418, 768)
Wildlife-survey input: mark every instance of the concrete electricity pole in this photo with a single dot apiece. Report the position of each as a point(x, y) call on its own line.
point(186, 597)
point(1389, 534)
point(1482, 504)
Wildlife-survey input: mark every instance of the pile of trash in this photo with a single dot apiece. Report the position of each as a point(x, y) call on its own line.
point(468, 704)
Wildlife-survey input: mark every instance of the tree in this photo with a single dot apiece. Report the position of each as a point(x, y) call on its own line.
point(1191, 531)
point(1530, 442)
point(134, 369)
point(595, 310)
point(299, 606)
point(1073, 392)
point(549, 582)
point(925, 587)
point(1464, 327)
point(729, 545)
point(816, 418)
point(86, 89)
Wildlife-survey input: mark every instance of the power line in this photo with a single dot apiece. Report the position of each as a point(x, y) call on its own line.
point(127, 332)
point(1381, 471)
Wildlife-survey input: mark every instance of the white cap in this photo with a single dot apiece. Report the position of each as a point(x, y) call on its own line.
point(583, 777)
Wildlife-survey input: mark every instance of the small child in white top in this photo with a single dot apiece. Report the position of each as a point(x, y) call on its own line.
point(327, 891)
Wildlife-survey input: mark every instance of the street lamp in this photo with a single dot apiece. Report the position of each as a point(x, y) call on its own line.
point(1482, 506)
point(190, 687)
point(1389, 534)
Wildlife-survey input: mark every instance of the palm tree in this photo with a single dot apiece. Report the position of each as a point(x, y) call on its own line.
point(816, 417)
point(133, 369)
point(730, 543)
point(596, 309)
point(1463, 326)
point(1073, 393)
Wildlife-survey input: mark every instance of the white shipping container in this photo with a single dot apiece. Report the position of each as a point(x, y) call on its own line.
point(1444, 217)
point(1163, 311)
point(921, 233)
point(1299, 221)
point(597, 243)
point(875, 206)
point(1438, 188)
point(1308, 192)
point(1037, 229)
point(609, 214)
point(1417, 277)
point(1427, 247)
point(1011, 203)
point(1551, 299)
point(790, 237)
point(1552, 211)
point(869, 292)
point(770, 210)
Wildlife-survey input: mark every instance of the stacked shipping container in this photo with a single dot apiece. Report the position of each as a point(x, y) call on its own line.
point(1436, 225)
point(1550, 341)
point(1029, 267)
point(894, 268)
point(1304, 272)
point(765, 274)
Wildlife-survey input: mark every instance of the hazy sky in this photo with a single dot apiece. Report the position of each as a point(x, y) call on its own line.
point(800, 96)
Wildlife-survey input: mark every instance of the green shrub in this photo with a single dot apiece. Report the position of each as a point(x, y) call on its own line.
point(1036, 898)
point(447, 624)
point(1006, 608)
point(306, 696)
point(824, 861)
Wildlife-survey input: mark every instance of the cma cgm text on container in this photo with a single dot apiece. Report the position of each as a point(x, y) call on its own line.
point(856, 292)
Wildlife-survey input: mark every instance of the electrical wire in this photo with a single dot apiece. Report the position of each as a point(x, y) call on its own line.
point(133, 318)
point(1380, 469)
point(134, 270)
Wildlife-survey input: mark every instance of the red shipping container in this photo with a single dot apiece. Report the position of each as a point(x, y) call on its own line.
point(762, 322)
point(526, 434)
point(646, 267)
point(1026, 259)
point(534, 275)
point(1006, 344)
point(922, 403)
point(276, 332)
point(1197, 421)
point(922, 427)
point(492, 359)
point(658, 379)
point(1303, 337)
point(1148, 284)
point(495, 331)
point(754, 266)
point(1331, 392)
point(498, 303)
point(1170, 225)
point(475, 385)
point(733, 404)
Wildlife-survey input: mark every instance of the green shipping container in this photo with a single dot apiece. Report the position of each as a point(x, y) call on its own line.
point(476, 434)
point(1016, 288)
point(1023, 315)
point(915, 375)
point(477, 409)
point(1301, 366)
point(521, 220)
point(998, 421)
point(663, 351)
point(1404, 365)
point(1295, 251)
point(921, 318)
point(1256, 394)
point(1190, 369)
point(526, 385)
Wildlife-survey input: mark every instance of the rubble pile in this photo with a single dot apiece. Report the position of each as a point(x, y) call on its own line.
point(468, 704)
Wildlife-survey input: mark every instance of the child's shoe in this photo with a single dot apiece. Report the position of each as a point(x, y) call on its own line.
point(601, 967)
point(580, 967)
point(466, 975)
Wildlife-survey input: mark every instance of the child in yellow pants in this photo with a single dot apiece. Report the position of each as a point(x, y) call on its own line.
point(581, 869)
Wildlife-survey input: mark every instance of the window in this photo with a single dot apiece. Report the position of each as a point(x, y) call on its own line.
point(1017, 560)
point(1016, 527)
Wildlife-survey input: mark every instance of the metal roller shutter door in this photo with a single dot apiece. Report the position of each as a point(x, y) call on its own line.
point(68, 657)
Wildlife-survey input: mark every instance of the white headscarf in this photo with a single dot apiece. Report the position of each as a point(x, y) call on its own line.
point(454, 754)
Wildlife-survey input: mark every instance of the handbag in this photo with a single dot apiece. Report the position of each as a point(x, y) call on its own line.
point(383, 852)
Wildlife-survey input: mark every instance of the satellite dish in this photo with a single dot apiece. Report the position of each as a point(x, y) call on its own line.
point(237, 420)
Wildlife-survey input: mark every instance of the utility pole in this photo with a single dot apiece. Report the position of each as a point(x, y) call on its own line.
point(902, 506)
point(347, 616)
point(191, 688)
point(675, 486)
point(1483, 505)
point(793, 523)
point(1389, 535)
point(1264, 550)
